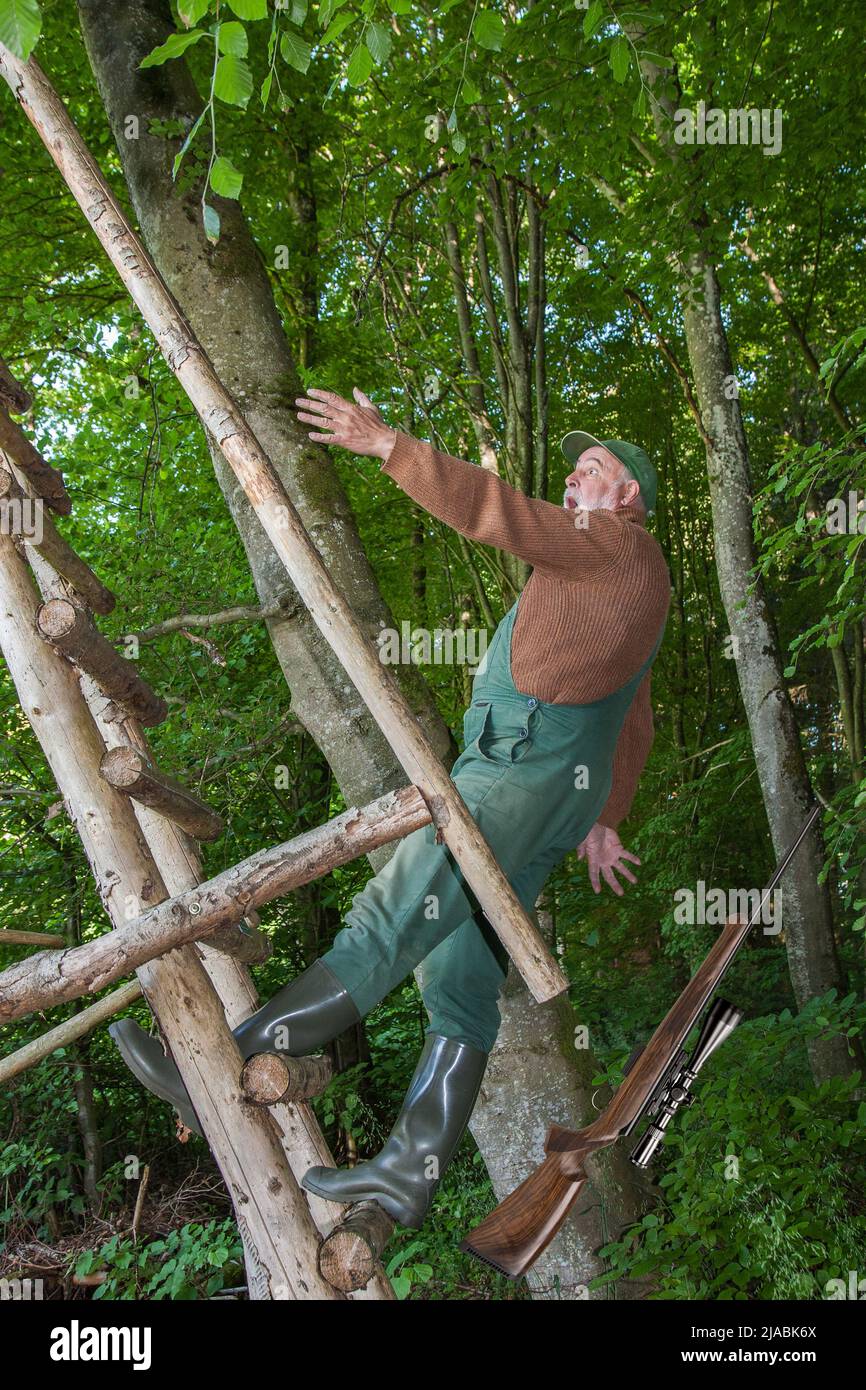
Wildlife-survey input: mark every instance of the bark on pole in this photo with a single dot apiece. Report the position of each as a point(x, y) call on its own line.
point(68, 627)
point(130, 771)
point(279, 1235)
point(59, 552)
point(46, 481)
point(334, 617)
point(298, 1129)
point(55, 977)
point(68, 1031)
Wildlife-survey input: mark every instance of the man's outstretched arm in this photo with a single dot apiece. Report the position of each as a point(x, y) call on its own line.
point(473, 501)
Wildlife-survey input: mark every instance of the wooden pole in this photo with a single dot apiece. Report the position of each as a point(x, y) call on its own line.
point(130, 771)
point(10, 937)
point(59, 552)
point(296, 1125)
point(274, 1220)
point(223, 419)
point(51, 977)
point(47, 482)
point(69, 1030)
point(69, 628)
point(13, 395)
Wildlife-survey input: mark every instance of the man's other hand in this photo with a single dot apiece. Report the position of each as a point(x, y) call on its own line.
point(604, 856)
point(357, 427)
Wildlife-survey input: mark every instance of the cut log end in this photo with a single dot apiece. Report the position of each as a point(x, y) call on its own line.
point(129, 770)
point(349, 1256)
point(69, 627)
point(269, 1078)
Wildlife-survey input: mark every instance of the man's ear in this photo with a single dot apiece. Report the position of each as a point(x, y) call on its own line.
point(630, 492)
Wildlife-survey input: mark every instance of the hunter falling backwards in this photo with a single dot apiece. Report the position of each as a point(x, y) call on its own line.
point(556, 736)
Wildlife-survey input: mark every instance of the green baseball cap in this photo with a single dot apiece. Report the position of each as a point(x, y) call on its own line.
point(635, 459)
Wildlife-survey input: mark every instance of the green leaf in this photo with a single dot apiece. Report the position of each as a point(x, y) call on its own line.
point(378, 42)
point(400, 6)
point(174, 45)
point(592, 19)
point(249, 9)
point(266, 88)
point(233, 39)
point(327, 10)
point(470, 92)
point(488, 29)
point(295, 50)
point(458, 142)
point(233, 80)
point(186, 144)
point(191, 11)
point(211, 222)
point(337, 26)
point(299, 11)
point(225, 179)
point(360, 66)
point(620, 57)
point(20, 26)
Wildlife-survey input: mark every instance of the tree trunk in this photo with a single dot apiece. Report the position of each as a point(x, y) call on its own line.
point(782, 771)
point(225, 293)
point(812, 959)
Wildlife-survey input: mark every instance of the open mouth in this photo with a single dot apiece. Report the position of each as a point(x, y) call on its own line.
point(570, 502)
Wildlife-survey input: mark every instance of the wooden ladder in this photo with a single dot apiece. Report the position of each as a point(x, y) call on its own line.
point(89, 708)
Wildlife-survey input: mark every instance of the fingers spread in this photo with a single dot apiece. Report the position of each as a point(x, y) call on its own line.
point(609, 878)
point(318, 408)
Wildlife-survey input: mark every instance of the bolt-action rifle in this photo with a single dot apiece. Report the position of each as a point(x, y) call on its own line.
point(657, 1083)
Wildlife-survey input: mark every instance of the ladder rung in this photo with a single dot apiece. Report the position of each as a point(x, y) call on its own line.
point(69, 628)
point(128, 770)
point(58, 552)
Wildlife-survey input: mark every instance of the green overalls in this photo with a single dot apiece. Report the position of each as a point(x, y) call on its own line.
point(535, 777)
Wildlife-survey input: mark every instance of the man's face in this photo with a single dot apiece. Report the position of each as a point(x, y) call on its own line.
point(598, 480)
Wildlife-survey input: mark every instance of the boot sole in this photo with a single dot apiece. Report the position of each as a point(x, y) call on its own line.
point(388, 1204)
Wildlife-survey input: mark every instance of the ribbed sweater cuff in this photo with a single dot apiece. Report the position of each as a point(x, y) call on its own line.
point(400, 458)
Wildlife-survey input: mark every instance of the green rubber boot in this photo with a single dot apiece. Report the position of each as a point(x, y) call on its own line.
point(403, 1177)
point(300, 1018)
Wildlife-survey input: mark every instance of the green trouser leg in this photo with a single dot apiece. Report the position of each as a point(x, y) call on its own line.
point(535, 777)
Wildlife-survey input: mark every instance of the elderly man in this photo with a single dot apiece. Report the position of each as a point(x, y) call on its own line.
point(556, 736)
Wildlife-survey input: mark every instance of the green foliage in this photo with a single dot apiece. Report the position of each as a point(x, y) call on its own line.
point(194, 1262)
point(20, 26)
point(762, 1194)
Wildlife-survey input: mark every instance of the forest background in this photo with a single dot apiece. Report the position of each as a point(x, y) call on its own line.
point(481, 217)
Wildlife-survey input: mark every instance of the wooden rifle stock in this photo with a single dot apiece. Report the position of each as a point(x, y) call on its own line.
point(513, 1236)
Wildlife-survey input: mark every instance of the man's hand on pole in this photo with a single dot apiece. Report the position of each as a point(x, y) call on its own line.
point(358, 426)
point(604, 855)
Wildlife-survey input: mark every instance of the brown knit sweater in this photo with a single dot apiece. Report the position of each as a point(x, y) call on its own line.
point(592, 608)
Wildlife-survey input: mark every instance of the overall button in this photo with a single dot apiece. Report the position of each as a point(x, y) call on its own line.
point(523, 733)
point(532, 702)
